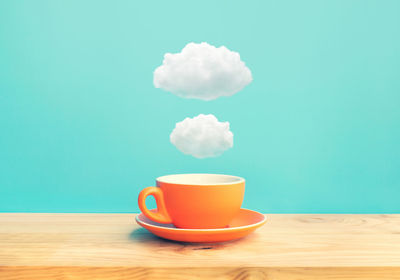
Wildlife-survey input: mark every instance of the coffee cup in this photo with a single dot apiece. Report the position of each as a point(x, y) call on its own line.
point(194, 201)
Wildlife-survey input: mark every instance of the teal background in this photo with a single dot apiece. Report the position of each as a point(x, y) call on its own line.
point(82, 128)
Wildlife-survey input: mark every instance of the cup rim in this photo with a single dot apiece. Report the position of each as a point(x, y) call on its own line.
point(172, 179)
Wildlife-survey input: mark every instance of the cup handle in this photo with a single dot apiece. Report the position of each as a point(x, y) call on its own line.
point(161, 216)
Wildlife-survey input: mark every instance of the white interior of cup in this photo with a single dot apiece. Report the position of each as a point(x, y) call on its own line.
point(200, 179)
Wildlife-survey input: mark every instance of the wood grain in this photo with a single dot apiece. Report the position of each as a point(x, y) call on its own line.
point(112, 246)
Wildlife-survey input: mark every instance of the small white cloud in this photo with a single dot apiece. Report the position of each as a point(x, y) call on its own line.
point(203, 136)
point(202, 71)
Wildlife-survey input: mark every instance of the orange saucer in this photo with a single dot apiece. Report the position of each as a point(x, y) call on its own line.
point(243, 224)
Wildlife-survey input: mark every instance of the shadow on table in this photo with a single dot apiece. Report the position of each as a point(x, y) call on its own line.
point(143, 235)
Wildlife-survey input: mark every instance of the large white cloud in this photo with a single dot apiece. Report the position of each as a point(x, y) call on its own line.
point(202, 71)
point(202, 136)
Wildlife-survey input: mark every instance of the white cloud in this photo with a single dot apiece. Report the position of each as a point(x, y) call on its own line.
point(202, 136)
point(202, 71)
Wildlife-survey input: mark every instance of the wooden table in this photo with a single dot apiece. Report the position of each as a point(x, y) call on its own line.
point(112, 246)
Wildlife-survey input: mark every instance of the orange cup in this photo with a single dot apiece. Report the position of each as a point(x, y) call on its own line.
point(197, 201)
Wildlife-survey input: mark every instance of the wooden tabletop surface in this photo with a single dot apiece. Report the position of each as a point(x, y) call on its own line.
point(113, 246)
